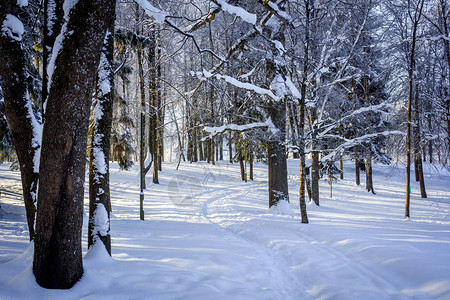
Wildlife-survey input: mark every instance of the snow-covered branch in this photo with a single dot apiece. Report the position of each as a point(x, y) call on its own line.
point(349, 143)
point(373, 108)
point(213, 131)
point(162, 17)
point(236, 10)
point(244, 85)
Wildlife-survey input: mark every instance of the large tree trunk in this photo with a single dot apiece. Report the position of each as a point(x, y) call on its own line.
point(58, 257)
point(25, 130)
point(278, 185)
point(99, 192)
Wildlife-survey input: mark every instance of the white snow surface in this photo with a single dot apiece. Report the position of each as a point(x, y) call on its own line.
point(152, 11)
point(37, 135)
point(101, 222)
point(22, 3)
point(243, 85)
point(238, 11)
point(208, 235)
point(104, 71)
point(12, 27)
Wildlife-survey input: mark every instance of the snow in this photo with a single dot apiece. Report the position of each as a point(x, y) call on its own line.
point(208, 235)
point(213, 131)
point(100, 162)
point(152, 11)
point(293, 88)
point(51, 6)
point(238, 11)
point(103, 71)
point(37, 135)
point(12, 27)
point(278, 85)
point(243, 85)
point(101, 221)
point(22, 3)
point(57, 46)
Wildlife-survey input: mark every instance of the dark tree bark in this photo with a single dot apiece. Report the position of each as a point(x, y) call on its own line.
point(411, 68)
point(251, 167)
point(241, 166)
point(57, 257)
point(53, 21)
point(154, 109)
point(99, 191)
point(278, 185)
point(357, 174)
point(445, 30)
point(142, 119)
point(18, 110)
point(276, 111)
point(293, 127)
point(315, 166)
point(369, 180)
point(418, 163)
point(304, 172)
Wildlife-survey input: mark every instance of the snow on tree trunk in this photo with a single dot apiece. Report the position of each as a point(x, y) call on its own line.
point(58, 258)
point(53, 21)
point(25, 129)
point(99, 192)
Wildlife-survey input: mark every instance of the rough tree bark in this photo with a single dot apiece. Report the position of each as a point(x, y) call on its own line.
point(53, 21)
point(418, 163)
point(99, 192)
point(25, 130)
point(315, 166)
point(58, 257)
point(357, 174)
point(278, 185)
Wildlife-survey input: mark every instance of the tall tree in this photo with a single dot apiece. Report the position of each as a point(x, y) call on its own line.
point(23, 123)
point(57, 257)
point(99, 191)
point(415, 12)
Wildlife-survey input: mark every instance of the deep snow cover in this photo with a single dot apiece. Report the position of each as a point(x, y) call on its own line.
point(208, 235)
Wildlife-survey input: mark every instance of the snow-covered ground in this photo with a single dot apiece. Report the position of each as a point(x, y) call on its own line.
point(207, 235)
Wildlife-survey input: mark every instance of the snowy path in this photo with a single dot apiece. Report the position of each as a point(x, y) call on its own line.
point(207, 235)
point(321, 262)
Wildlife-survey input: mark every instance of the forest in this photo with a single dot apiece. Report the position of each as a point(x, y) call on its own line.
point(274, 93)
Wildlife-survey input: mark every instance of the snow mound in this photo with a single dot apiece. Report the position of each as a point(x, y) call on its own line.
point(282, 208)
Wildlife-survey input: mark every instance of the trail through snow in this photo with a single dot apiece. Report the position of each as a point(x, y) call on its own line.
point(208, 235)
